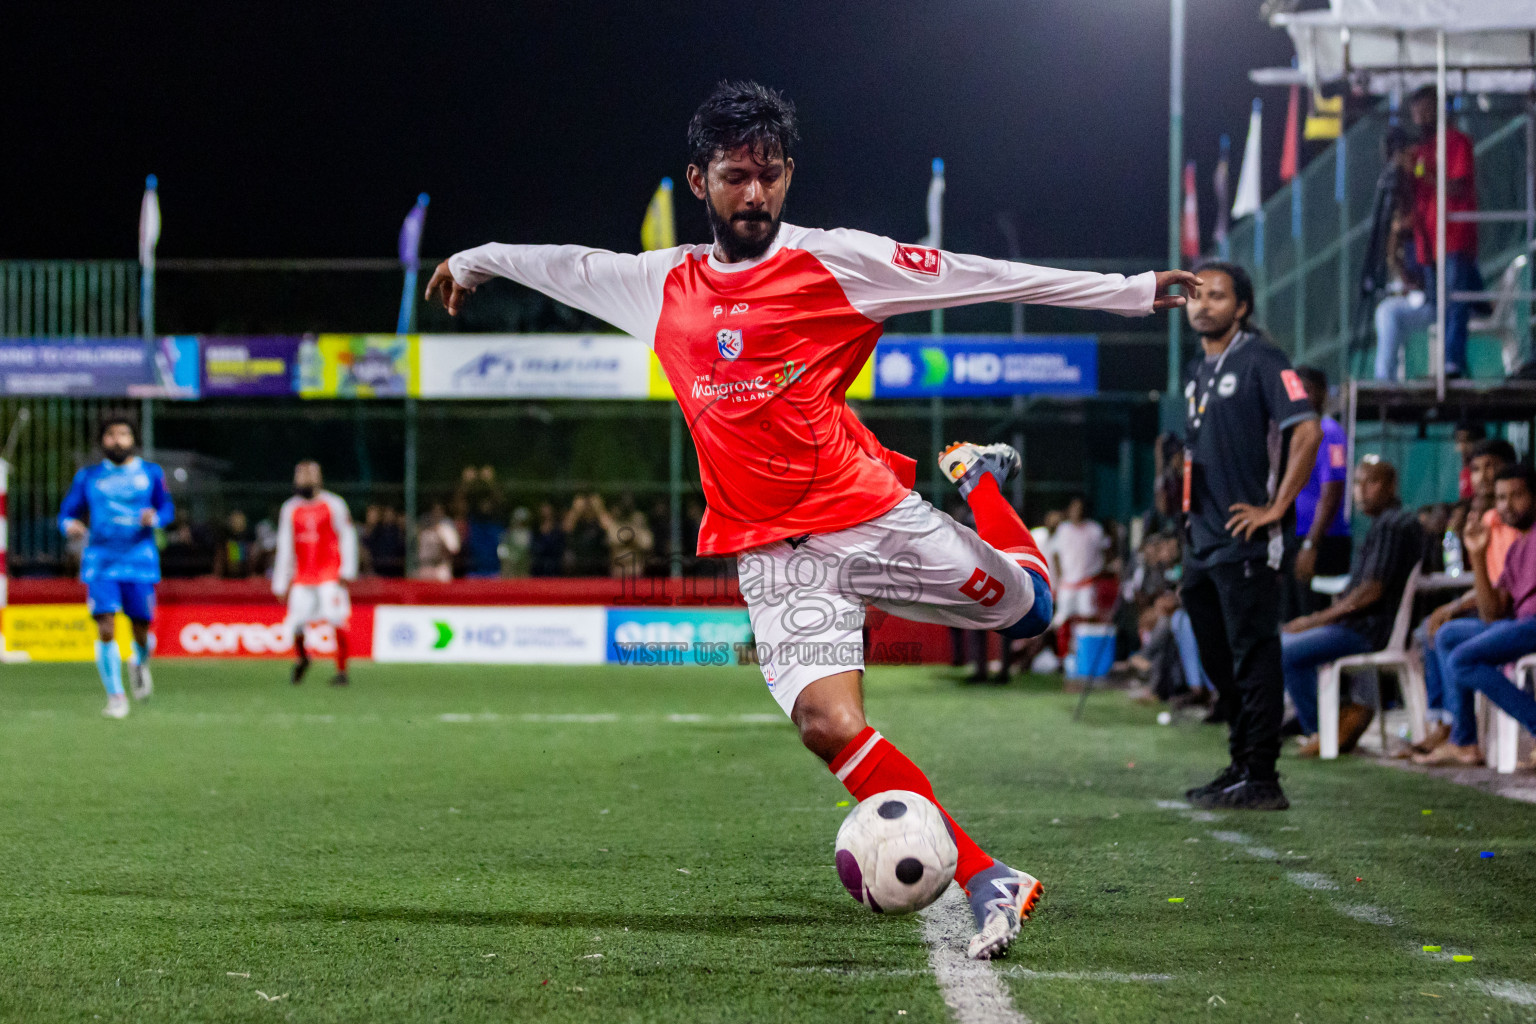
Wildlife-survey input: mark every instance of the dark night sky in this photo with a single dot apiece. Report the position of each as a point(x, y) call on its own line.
point(307, 129)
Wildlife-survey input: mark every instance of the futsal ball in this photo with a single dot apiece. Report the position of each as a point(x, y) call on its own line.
point(894, 852)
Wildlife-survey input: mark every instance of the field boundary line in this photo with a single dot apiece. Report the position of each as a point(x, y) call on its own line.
point(974, 992)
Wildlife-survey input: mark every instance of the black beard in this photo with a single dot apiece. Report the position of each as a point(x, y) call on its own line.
point(305, 492)
point(117, 456)
point(735, 248)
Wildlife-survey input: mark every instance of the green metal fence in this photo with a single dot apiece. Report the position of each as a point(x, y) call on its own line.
point(69, 298)
point(1307, 247)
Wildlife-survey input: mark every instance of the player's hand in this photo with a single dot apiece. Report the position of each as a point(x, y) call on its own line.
point(1474, 537)
point(1248, 519)
point(1166, 279)
point(149, 518)
point(445, 288)
point(1437, 618)
point(74, 529)
point(1306, 565)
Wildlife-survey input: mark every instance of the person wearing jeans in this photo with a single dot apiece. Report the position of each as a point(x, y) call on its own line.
point(1398, 316)
point(1445, 629)
point(1507, 606)
point(1361, 619)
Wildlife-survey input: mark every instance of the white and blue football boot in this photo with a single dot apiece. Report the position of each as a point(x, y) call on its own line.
point(964, 463)
point(1001, 898)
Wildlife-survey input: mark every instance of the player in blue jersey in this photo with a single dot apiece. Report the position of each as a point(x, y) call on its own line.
point(118, 504)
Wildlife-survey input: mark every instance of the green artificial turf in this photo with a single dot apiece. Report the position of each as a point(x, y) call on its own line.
point(364, 857)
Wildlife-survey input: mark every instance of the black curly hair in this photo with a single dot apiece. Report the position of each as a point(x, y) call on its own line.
point(742, 114)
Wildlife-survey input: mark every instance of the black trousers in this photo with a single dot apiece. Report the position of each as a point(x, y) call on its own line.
point(1296, 599)
point(1234, 609)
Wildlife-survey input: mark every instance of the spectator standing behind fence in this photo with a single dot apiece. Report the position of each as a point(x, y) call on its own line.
point(1322, 534)
point(1240, 400)
point(1461, 273)
point(1507, 603)
point(383, 541)
point(1456, 621)
point(437, 542)
point(516, 544)
point(585, 537)
point(486, 516)
point(546, 548)
point(630, 539)
point(1361, 619)
point(234, 557)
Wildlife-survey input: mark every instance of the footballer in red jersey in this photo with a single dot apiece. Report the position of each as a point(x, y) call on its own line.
point(316, 556)
point(760, 334)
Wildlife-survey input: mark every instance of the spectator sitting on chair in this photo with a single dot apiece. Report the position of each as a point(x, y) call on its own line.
point(1507, 606)
point(1455, 622)
point(1360, 621)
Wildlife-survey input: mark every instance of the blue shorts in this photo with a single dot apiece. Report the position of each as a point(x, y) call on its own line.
point(108, 597)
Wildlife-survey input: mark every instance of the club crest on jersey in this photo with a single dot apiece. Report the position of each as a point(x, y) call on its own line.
point(729, 341)
point(918, 258)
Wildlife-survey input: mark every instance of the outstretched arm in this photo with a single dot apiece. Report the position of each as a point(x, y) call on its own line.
point(622, 288)
point(883, 278)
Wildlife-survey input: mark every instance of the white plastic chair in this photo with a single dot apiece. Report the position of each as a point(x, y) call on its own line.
point(1393, 657)
point(1501, 733)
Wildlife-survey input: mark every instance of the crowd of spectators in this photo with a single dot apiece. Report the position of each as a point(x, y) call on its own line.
point(1472, 563)
point(476, 533)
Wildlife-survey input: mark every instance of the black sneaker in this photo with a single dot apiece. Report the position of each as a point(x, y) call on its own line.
point(1250, 795)
point(296, 676)
point(1230, 774)
point(340, 679)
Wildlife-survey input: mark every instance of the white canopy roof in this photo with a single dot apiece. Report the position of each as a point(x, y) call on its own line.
point(1391, 44)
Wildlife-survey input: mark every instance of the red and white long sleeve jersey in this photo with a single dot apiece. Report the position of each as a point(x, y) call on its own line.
point(761, 354)
point(316, 543)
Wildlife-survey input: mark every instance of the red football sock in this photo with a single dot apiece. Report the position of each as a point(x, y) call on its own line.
point(999, 525)
point(342, 646)
point(870, 765)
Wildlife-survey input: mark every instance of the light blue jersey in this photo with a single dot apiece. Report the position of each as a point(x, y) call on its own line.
point(111, 500)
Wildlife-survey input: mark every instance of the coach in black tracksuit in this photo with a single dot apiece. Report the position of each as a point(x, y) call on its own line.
point(1241, 477)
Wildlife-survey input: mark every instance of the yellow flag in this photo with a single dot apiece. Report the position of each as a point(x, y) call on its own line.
point(1326, 121)
point(658, 231)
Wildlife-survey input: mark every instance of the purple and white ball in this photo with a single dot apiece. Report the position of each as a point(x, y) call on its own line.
point(894, 852)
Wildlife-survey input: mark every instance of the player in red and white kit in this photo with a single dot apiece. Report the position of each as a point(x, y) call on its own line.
point(761, 334)
point(316, 555)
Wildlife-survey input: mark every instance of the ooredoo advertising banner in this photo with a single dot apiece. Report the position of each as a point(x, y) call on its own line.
point(531, 635)
point(248, 631)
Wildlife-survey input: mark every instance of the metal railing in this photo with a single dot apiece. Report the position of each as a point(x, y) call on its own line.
point(1307, 247)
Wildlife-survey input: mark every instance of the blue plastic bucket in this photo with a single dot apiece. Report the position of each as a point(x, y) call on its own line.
point(1094, 646)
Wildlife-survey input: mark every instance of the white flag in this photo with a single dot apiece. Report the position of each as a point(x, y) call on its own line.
point(935, 236)
point(1247, 199)
point(149, 222)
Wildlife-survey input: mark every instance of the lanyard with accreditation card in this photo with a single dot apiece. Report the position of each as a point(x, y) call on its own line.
point(1197, 416)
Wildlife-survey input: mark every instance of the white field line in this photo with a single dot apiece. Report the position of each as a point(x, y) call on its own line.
point(607, 718)
point(1110, 977)
point(972, 990)
point(1516, 992)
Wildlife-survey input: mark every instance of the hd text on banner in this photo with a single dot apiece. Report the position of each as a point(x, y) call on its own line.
point(980, 366)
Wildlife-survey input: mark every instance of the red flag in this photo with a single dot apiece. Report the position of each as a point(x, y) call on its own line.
point(1189, 242)
point(1288, 154)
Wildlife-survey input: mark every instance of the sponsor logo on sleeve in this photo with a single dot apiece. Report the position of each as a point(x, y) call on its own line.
point(917, 258)
point(1295, 390)
point(1336, 456)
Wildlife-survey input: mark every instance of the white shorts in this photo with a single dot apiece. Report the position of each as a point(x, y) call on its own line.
point(323, 602)
point(1077, 601)
point(807, 602)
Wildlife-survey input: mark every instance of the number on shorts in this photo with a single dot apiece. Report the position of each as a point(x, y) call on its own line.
point(983, 589)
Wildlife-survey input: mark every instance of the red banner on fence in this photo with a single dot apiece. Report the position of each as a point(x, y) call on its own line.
point(248, 631)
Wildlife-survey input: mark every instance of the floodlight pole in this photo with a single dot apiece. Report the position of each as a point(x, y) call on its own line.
point(1175, 186)
point(1437, 353)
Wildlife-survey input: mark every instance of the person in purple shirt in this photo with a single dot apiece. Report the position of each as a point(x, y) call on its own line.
point(1508, 604)
point(1322, 545)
